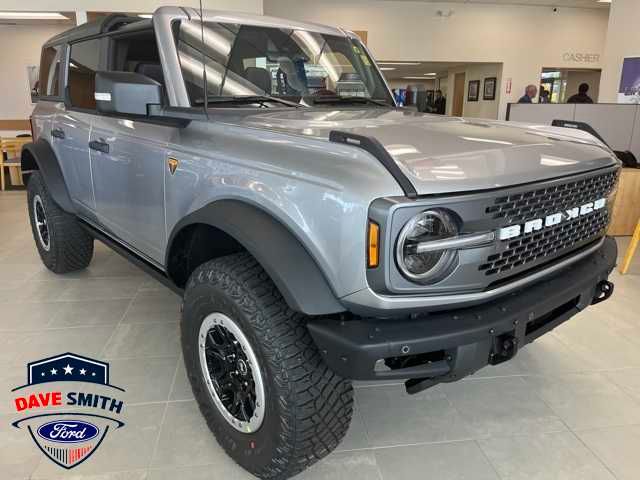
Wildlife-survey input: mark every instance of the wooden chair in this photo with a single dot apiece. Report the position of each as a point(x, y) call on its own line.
point(12, 147)
point(635, 240)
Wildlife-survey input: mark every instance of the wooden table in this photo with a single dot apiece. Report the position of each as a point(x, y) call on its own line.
point(12, 147)
point(626, 211)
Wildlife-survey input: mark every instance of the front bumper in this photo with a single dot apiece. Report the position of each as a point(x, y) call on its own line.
point(430, 348)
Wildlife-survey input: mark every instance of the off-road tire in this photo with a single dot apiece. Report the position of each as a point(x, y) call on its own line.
point(70, 246)
point(308, 407)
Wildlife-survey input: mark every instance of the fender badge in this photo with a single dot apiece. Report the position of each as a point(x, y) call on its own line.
point(173, 164)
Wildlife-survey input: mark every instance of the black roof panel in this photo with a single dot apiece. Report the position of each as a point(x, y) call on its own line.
point(102, 25)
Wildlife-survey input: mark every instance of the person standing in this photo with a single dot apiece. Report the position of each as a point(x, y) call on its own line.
point(529, 94)
point(440, 103)
point(544, 95)
point(581, 96)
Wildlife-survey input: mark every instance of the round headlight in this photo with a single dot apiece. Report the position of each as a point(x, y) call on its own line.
point(420, 264)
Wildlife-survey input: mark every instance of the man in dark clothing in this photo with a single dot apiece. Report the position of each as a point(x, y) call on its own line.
point(529, 94)
point(581, 96)
point(544, 96)
point(440, 103)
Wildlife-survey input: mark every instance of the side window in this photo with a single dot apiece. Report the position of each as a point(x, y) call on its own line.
point(49, 83)
point(83, 64)
point(137, 53)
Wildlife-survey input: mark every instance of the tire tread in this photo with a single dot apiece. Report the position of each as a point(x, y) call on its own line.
point(318, 404)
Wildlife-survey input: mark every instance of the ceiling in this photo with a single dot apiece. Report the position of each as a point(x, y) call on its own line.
point(549, 3)
point(419, 70)
point(69, 20)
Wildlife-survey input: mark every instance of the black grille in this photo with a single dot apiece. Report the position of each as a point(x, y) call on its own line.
point(544, 201)
point(542, 244)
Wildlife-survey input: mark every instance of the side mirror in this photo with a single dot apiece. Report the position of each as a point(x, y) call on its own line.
point(126, 92)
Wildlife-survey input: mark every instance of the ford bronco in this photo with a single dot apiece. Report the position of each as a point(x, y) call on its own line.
point(317, 233)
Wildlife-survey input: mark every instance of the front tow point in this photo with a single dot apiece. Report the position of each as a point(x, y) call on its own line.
point(603, 291)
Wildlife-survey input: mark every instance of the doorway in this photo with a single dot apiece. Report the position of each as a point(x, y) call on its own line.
point(458, 94)
point(563, 83)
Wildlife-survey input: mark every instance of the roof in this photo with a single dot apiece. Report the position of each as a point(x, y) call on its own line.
point(116, 21)
point(102, 25)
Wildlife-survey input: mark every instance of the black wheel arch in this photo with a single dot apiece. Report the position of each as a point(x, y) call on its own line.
point(40, 156)
point(228, 226)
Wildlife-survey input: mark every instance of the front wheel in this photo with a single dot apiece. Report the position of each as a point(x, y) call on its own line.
point(258, 378)
point(64, 246)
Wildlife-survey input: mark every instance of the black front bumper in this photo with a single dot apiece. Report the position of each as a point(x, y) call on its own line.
point(446, 346)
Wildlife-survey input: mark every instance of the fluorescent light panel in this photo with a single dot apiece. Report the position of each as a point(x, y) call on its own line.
point(33, 16)
point(417, 78)
point(387, 68)
point(145, 15)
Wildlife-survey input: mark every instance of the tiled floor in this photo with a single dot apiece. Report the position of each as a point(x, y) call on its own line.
point(567, 407)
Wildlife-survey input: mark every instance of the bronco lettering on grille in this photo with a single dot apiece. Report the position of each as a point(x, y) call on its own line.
point(513, 231)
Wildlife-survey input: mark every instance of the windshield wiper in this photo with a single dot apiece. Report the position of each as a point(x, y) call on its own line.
point(351, 99)
point(247, 99)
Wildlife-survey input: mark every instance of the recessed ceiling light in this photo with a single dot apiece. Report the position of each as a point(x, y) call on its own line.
point(398, 63)
point(417, 78)
point(33, 15)
point(387, 68)
point(431, 73)
point(604, 1)
point(145, 15)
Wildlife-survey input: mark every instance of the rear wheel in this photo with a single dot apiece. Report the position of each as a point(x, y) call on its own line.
point(259, 380)
point(64, 246)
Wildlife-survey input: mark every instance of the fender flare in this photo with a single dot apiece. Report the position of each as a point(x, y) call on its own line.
point(40, 156)
point(282, 255)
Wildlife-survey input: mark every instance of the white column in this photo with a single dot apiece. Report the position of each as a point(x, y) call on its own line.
point(623, 40)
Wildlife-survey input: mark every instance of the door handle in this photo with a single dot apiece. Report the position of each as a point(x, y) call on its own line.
point(58, 133)
point(99, 146)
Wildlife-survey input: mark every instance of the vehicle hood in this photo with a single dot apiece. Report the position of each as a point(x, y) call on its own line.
point(447, 154)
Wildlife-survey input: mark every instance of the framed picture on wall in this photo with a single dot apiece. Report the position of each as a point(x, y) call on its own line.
point(474, 91)
point(489, 91)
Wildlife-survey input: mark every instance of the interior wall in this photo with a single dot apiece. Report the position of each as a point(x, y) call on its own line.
point(482, 108)
point(575, 78)
point(522, 38)
point(21, 46)
point(622, 40)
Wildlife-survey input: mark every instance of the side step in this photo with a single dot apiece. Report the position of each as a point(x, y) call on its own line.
point(134, 258)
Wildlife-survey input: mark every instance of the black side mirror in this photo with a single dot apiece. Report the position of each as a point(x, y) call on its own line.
point(126, 92)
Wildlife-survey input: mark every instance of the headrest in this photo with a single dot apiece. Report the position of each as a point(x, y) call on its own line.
point(260, 77)
point(151, 70)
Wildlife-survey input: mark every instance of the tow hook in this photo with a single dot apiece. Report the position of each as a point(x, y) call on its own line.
point(504, 348)
point(604, 290)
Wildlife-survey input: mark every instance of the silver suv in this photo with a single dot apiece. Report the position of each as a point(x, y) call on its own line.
point(317, 233)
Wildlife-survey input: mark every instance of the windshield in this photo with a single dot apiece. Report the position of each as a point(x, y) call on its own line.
point(294, 65)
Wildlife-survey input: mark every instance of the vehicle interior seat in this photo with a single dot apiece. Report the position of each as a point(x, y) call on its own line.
point(151, 70)
point(260, 77)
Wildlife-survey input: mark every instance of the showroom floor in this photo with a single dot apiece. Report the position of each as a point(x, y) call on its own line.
point(567, 407)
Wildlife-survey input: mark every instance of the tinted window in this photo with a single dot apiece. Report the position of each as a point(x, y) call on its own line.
point(137, 53)
point(83, 64)
point(50, 72)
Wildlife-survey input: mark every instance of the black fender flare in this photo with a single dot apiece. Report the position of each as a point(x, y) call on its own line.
point(40, 156)
point(282, 255)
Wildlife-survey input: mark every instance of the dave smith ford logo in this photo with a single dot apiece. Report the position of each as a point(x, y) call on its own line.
point(514, 231)
point(64, 436)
